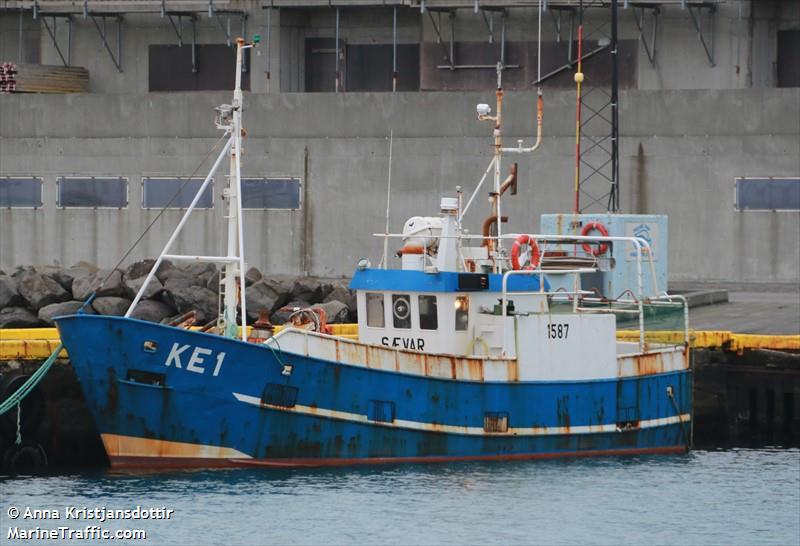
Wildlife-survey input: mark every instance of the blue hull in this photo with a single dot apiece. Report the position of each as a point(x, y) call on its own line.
point(167, 396)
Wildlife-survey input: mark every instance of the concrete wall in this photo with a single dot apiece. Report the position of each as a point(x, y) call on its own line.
point(744, 41)
point(680, 153)
point(687, 132)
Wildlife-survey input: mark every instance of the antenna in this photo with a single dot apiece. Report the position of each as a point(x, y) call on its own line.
point(384, 259)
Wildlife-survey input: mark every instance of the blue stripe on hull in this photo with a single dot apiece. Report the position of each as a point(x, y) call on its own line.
point(200, 408)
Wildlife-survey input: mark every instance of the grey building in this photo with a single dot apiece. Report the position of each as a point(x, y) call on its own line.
point(709, 124)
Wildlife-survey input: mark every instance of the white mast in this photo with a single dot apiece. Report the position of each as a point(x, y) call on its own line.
point(229, 119)
point(233, 293)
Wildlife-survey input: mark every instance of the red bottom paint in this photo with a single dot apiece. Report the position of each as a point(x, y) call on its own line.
point(118, 462)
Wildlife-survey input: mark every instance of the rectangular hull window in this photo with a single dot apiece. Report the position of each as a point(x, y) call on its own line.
point(495, 421)
point(375, 313)
point(380, 411)
point(146, 378)
point(279, 395)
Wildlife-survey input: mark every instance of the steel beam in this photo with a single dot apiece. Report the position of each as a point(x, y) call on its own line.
point(53, 33)
point(697, 19)
point(116, 59)
point(639, 17)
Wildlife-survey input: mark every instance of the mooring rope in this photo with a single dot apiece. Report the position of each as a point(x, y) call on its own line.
point(671, 396)
point(15, 399)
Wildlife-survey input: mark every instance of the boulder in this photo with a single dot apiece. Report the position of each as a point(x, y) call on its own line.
point(343, 294)
point(281, 316)
point(213, 282)
point(193, 298)
point(176, 282)
point(18, 317)
point(88, 266)
point(141, 268)
point(154, 287)
point(82, 287)
point(21, 270)
point(9, 295)
point(310, 289)
point(66, 277)
point(335, 311)
point(152, 310)
point(47, 312)
point(40, 290)
point(265, 295)
point(111, 305)
point(253, 275)
point(165, 270)
point(200, 272)
point(49, 270)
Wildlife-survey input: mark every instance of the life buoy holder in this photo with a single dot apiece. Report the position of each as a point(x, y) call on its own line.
point(588, 247)
point(525, 240)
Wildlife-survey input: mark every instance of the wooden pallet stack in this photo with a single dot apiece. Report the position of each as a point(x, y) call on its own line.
point(40, 78)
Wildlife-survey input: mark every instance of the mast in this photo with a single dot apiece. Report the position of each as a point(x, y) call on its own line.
point(229, 120)
point(498, 155)
point(233, 274)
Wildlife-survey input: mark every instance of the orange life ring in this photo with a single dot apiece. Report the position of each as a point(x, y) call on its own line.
point(525, 239)
point(587, 247)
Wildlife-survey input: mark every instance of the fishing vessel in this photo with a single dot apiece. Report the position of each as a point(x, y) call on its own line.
point(465, 352)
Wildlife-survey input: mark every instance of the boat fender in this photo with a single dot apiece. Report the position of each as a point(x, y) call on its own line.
point(33, 406)
point(587, 247)
point(24, 457)
point(521, 241)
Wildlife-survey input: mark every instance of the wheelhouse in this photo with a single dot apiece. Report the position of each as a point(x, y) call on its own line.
point(443, 312)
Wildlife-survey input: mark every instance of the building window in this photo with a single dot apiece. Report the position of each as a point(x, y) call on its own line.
point(375, 314)
point(788, 60)
point(20, 192)
point(768, 193)
point(401, 310)
point(271, 193)
point(428, 319)
point(206, 67)
point(175, 193)
point(462, 313)
point(92, 192)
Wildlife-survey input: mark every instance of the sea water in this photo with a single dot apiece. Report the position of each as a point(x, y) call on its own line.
point(738, 496)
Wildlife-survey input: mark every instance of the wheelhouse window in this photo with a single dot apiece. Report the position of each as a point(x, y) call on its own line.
point(375, 313)
point(20, 192)
point(92, 192)
point(175, 192)
point(401, 310)
point(462, 313)
point(428, 319)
